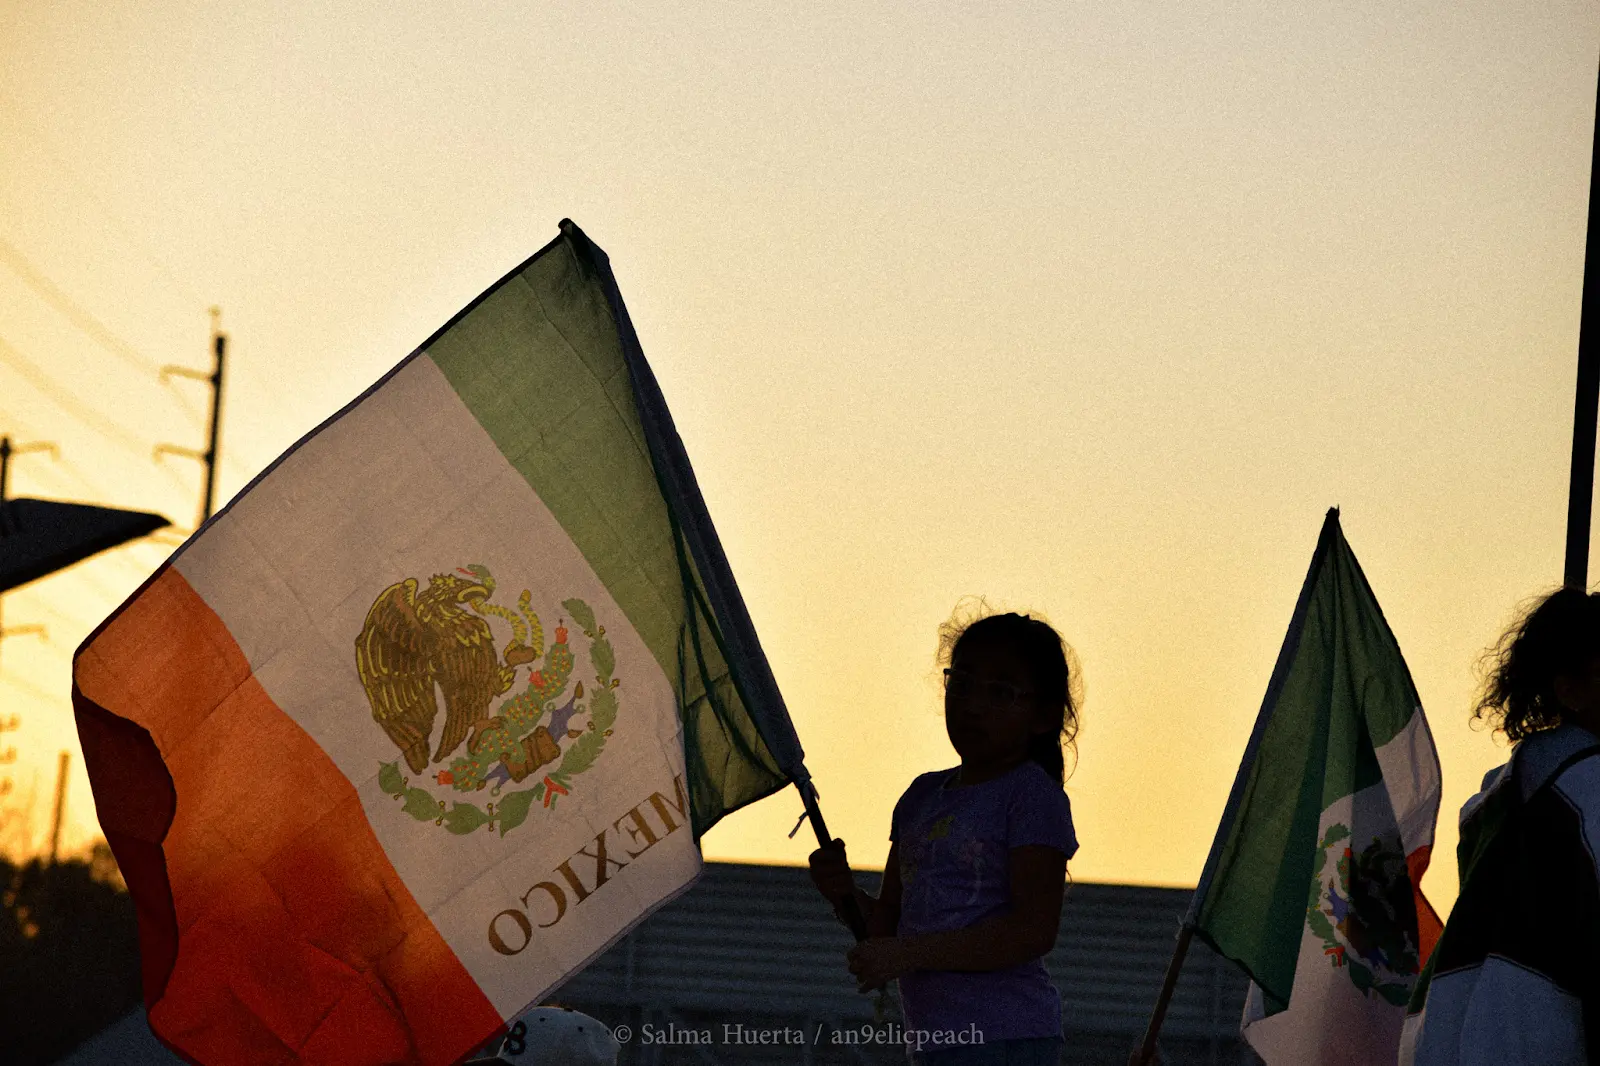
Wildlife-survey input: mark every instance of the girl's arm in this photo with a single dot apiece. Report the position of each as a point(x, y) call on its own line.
point(1027, 931)
point(884, 917)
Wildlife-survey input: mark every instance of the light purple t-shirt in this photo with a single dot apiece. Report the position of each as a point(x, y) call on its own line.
point(954, 854)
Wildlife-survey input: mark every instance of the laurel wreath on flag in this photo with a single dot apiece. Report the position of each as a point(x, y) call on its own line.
point(521, 714)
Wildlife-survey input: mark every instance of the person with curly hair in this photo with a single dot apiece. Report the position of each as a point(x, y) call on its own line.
point(1515, 977)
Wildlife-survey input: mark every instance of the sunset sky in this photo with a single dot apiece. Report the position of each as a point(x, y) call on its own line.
point(1089, 309)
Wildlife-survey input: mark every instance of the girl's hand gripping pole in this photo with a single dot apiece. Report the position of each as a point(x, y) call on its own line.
point(848, 910)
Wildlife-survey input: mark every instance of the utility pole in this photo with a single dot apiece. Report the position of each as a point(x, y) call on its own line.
point(8, 755)
point(61, 806)
point(219, 344)
point(7, 450)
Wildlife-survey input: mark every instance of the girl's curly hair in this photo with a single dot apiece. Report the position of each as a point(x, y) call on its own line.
point(1056, 677)
point(1557, 634)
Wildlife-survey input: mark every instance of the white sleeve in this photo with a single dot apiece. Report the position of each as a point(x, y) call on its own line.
point(1496, 1014)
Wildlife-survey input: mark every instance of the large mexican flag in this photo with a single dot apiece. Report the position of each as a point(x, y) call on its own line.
point(1313, 883)
point(439, 706)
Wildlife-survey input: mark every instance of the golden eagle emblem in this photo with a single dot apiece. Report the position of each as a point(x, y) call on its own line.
point(414, 642)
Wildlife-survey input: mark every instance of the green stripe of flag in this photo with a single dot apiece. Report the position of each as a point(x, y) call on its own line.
point(539, 360)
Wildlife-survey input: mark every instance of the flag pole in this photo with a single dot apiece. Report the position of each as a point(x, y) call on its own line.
point(746, 661)
point(849, 909)
point(1586, 406)
point(1230, 812)
point(1168, 986)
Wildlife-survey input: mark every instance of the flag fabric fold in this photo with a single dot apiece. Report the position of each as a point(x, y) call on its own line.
point(1313, 884)
point(438, 707)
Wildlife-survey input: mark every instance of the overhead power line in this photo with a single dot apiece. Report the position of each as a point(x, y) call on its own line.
point(96, 421)
point(34, 690)
point(41, 381)
point(39, 600)
point(65, 468)
point(83, 572)
point(189, 409)
point(42, 140)
point(94, 489)
point(70, 310)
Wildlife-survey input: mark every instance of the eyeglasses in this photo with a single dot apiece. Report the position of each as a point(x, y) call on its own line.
point(969, 687)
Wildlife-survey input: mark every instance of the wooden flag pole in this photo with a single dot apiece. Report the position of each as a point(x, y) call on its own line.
point(1168, 986)
point(1586, 407)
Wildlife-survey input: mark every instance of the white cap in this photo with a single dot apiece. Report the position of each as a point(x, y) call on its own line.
point(558, 1036)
